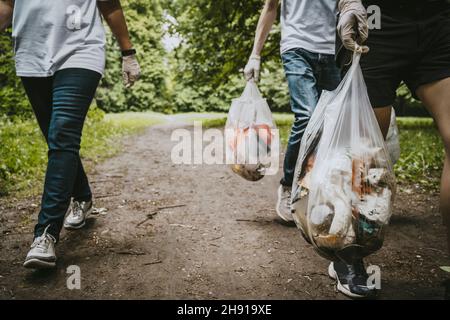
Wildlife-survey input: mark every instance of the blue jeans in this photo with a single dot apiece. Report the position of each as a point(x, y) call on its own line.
point(307, 74)
point(60, 104)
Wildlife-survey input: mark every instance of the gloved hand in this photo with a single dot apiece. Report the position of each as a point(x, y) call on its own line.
point(253, 67)
point(131, 70)
point(352, 26)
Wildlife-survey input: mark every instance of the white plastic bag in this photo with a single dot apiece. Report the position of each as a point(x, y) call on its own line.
point(392, 139)
point(250, 134)
point(344, 183)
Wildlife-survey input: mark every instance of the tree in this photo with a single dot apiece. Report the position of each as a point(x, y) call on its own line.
point(145, 22)
point(217, 38)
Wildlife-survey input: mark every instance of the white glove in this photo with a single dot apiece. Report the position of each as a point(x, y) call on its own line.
point(131, 71)
point(253, 67)
point(352, 26)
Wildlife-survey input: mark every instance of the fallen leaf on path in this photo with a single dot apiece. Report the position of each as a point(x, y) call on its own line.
point(101, 211)
point(445, 268)
point(131, 252)
point(152, 262)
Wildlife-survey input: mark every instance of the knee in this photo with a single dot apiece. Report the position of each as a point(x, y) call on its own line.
point(64, 135)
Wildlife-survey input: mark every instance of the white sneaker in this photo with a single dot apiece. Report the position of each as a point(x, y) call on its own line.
point(78, 213)
point(284, 208)
point(42, 252)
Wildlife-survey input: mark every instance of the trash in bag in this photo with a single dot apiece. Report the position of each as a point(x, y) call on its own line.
point(392, 139)
point(250, 134)
point(344, 182)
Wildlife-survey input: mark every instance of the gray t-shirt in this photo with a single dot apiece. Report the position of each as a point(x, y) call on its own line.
point(309, 24)
point(50, 35)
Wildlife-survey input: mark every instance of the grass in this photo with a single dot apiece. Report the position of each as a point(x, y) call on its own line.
point(422, 151)
point(134, 121)
point(415, 123)
point(23, 153)
point(421, 160)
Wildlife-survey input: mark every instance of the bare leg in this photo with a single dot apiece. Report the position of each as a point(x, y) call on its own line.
point(436, 98)
point(384, 119)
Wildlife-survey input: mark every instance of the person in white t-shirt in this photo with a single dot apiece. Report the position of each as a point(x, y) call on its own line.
point(60, 56)
point(308, 34)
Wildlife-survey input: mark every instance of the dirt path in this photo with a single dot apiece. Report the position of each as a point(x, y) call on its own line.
point(224, 242)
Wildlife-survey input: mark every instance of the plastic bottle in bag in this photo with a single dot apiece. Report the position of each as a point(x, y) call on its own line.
point(344, 183)
point(250, 134)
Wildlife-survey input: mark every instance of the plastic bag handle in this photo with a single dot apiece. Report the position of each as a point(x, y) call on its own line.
point(346, 82)
point(251, 90)
point(355, 61)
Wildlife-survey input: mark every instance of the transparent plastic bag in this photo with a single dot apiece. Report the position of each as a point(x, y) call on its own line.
point(250, 134)
point(392, 139)
point(344, 182)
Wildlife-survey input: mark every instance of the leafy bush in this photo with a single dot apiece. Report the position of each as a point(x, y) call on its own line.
point(407, 105)
point(202, 74)
point(422, 150)
point(421, 160)
point(415, 123)
point(13, 101)
point(145, 23)
point(23, 152)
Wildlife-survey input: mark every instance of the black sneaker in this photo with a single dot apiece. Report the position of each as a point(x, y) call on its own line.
point(351, 279)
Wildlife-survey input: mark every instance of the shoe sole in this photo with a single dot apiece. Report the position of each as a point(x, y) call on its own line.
point(76, 227)
point(39, 264)
point(277, 209)
point(333, 275)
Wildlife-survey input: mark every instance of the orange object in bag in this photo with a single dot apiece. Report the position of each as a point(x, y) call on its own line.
point(249, 134)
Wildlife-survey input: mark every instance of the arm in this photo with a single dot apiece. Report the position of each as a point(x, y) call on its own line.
point(265, 23)
point(112, 11)
point(6, 12)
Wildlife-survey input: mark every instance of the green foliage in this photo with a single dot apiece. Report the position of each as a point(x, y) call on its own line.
point(217, 38)
point(145, 22)
point(422, 150)
point(202, 74)
point(407, 105)
point(421, 160)
point(13, 101)
point(415, 123)
point(23, 152)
